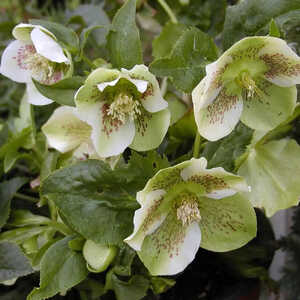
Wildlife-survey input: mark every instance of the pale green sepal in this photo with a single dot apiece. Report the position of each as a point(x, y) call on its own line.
point(226, 224)
point(157, 127)
point(273, 186)
point(98, 257)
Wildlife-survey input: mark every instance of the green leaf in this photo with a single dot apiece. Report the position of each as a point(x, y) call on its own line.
point(273, 29)
point(272, 170)
point(62, 92)
point(7, 191)
point(13, 263)
point(61, 269)
point(186, 63)
point(164, 43)
point(64, 35)
point(135, 289)
point(22, 217)
point(124, 260)
point(161, 284)
point(176, 107)
point(249, 16)
point(123, 40)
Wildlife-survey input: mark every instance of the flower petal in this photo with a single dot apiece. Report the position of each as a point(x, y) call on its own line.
point(217, 182)
point(108, 140)
point(64, 131)
point(283, 63)
point(102, 75)
point(47, 46)
point(147, 218)
point(220, 117)
point(267, 111)
point(12, 64)
point(152, 99)
point(101, 86)
point(171, 248)
point(22, 31)
point(152, 135)
point(141, 85)
point(226, 224)
point(35, 97)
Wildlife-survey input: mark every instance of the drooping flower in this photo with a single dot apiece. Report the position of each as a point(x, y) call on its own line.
point(35, 54)
point(124, 108)
point(253, 81)
point(186, 207)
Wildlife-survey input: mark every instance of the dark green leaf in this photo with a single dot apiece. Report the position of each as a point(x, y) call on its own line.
point(64, 35)
point(247, 17)
point(186, 64)
point(13, 263)
point(62, 92)
point(123, 40)
point(61, 269)
point(7, 191)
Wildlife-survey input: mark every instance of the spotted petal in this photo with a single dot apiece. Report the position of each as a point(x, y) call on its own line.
point(217, 182)
point(171, 248)
point(65, 131)
point(47, 46)
point(152, 99)
point(266, 111)
point(151, 136)
point(283, 64)
point(220, 117)
point(12, 64)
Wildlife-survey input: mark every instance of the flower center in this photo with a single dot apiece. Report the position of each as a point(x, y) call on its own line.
point(124, 107)
point(188, 211)
point(245, 81)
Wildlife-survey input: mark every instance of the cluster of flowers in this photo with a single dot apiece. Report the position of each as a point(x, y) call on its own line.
point(185, 206)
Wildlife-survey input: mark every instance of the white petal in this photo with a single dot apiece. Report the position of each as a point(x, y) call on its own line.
point(219, 194)
point(141, 85)
point(65, 131)
point(195, 166)
point(47, 46)
point(105, 144)
point(101, 86)
point(22, 31)
point(147, 200)
point(35, 97)
point(12, 61)
point(220, 117)
point(152, 99)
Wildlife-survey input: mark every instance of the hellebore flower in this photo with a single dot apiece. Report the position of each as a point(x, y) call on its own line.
point(186, 207)
point(35, 54)
point(124, 108)
point(253, 81)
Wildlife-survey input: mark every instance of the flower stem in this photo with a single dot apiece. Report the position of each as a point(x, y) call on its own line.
point(168, 10)
point(197, 145)
point(25, 197)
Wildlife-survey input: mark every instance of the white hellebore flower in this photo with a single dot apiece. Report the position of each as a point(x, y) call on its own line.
point(124, 108)
point(186, 207)
point(35, 54)
point(253, 81)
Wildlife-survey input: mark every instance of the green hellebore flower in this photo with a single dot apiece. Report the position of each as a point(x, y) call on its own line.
point(35, 54)
point(253, 81)
point(124, 108)
point(186, 207)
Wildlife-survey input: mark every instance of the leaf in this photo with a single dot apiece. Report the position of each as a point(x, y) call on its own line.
point(164, 43)
point(186, 63)
point(273, 29)
point(272, 170)
point(13, 263)
point(247, 17)
point(61, 269)
point(64, 35)
point(7, 191)
point(22, 217)
point(176, 107)
point(62, 92)
point(123, 40)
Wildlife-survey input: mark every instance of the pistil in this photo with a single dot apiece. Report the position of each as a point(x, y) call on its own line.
point(246, 82)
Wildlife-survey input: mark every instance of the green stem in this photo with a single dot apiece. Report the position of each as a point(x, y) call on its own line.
point(88, 61)
point(60, 227)
point(168, 10)
point(25, 197)
point(197, 145)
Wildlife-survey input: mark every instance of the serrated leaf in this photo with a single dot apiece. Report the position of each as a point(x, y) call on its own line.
point(186, 63)
point(247, 17)
point(123, 40)
point(7, 191)
point(13, 263)
point(272, 170)
point(61, 269)
point(64, 35)
point(62, 92)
